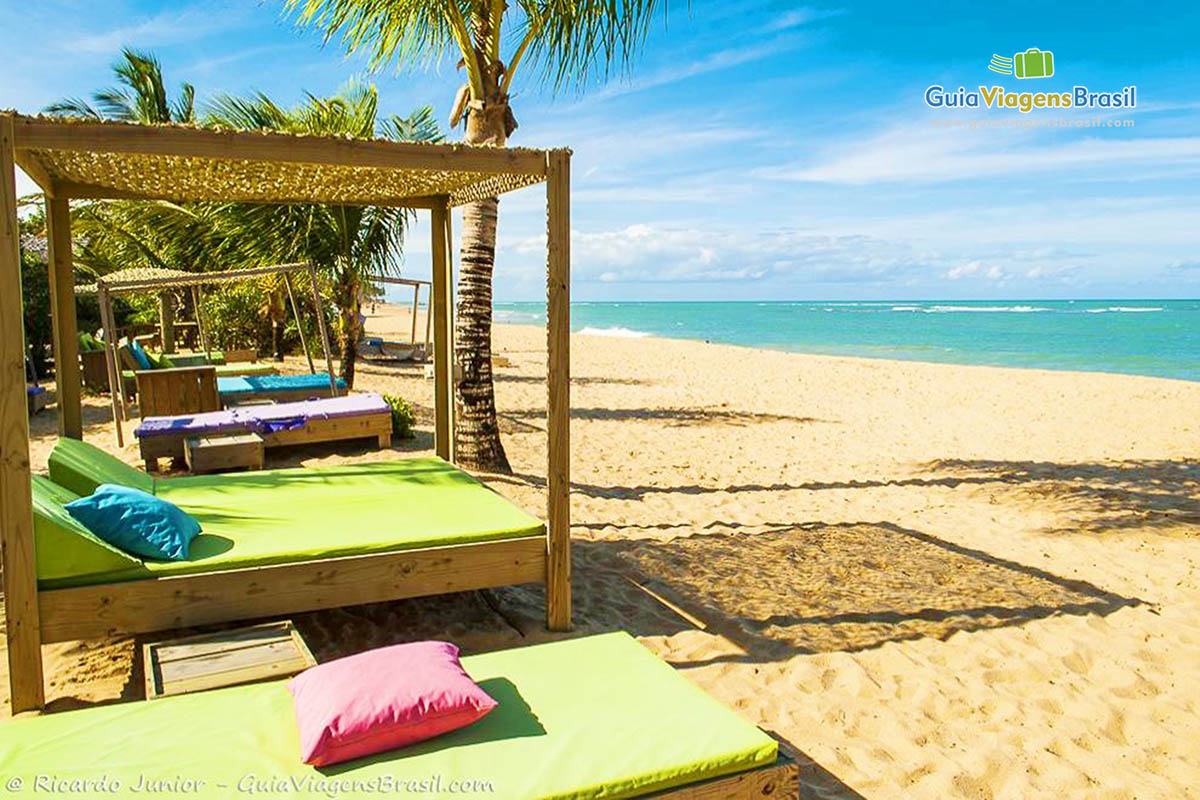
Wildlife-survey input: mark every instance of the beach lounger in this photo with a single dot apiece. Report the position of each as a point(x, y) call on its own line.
point(596, 717)
point(280, 388)
point(353, 416)
point(275, 542)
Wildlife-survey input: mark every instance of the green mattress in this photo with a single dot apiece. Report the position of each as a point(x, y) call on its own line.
point(280, 516)
point(598, 717)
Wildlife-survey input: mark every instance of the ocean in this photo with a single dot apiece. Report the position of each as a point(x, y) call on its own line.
point(1136, 337)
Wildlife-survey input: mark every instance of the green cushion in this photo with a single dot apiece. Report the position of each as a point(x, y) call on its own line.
point(286, 515)
point(276, 516)
point(81, 467)
point(67, 550)
point(597, 717)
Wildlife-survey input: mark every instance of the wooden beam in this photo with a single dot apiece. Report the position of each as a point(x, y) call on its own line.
point(558, 389)
point(62, 315)
point(287, 282)
point(16, 501)
point(141, 606)
point(35, 133)
point(34, 169)
point(166, 321)
point(443, 334)
point(778, 781)
point(116, 384)
point(323, 328)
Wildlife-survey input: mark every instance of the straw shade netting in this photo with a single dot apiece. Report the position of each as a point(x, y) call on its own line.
point(75, 159)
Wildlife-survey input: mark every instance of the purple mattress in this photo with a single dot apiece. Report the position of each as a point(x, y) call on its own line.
point(262, 419)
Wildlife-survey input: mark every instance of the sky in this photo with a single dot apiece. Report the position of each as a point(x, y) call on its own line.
point(766, 149)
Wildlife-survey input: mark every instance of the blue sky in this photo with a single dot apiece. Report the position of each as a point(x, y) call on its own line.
point(768, 150)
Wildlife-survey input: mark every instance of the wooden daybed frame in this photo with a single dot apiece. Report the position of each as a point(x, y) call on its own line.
point(74, 159)
point(189, 390)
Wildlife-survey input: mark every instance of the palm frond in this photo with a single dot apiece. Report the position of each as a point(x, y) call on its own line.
point(72, 107)
point(419, 126)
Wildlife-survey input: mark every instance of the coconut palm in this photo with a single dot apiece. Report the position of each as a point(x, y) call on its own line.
point(141, 97)
point(348, 243)
point(566, 42)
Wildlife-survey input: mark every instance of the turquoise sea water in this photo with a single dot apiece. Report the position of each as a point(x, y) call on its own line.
point(1138, 337)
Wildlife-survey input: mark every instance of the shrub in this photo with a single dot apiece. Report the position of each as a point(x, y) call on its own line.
point(403, 417)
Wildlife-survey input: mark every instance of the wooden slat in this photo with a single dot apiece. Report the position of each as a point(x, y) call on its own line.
point(558, 387)
point(324, 329)
point(141, 606)
point(224, 658)
point(443, 335)
point(16, 502)
point(116, 386)
point(62, 314)
point(41, 134)
point(779, 781)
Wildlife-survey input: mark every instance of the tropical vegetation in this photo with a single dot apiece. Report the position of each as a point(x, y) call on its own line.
point(562, 42)
point(346, 243)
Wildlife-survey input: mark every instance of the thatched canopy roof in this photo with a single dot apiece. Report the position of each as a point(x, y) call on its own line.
point(143, 279)
point(90, 158)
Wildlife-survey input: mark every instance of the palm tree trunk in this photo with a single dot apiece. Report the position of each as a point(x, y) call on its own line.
point(348, 327)
point(477, 442)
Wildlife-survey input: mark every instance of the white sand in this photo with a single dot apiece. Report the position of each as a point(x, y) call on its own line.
point(934, 580)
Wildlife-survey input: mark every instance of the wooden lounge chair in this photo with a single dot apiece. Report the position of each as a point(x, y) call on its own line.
point(594, 717)
point(357, 416)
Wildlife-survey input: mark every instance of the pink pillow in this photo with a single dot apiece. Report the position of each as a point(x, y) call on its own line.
point(383, 699)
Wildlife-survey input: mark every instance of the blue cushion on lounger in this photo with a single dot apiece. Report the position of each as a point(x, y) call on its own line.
point(136, 522)
point(139, 355)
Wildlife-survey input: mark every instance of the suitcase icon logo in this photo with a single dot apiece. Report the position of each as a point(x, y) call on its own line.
point(1033, 63)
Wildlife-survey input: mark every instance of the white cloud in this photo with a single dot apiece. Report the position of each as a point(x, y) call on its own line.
point(977, 269)
point(916, 153)
point(714, 62)
point(166, 27)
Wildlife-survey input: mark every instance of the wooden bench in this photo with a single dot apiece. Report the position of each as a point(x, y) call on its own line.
point(219, 453)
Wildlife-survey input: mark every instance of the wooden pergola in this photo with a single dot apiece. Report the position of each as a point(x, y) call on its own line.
point(85, 159)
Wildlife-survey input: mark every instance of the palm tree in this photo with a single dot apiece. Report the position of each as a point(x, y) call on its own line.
point(567, 43)
point(349, 243)
point(142, 97)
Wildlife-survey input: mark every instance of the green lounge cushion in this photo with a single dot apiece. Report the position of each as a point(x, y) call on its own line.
point(288, 515)
point(65, 548)
point(81, 467)
point(596, 717)
point(277, 516)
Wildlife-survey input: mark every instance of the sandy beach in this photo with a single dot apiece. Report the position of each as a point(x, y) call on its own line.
point(932, 580)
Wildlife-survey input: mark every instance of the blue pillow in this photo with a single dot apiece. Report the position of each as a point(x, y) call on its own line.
point(139, 355)
point(136, 522)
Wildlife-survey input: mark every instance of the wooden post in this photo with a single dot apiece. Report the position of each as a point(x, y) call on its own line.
point(287, 281)
point(116, 385)
point(62, 316)
point(416, 305)
point(166, 321)
point(201, 328)
point(316, 290)
point(443, 333)
point(558, 390)
point(22, 628)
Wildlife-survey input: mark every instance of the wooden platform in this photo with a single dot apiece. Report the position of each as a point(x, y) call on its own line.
point(376, 426)
point(224, 452)
point(226, 658)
